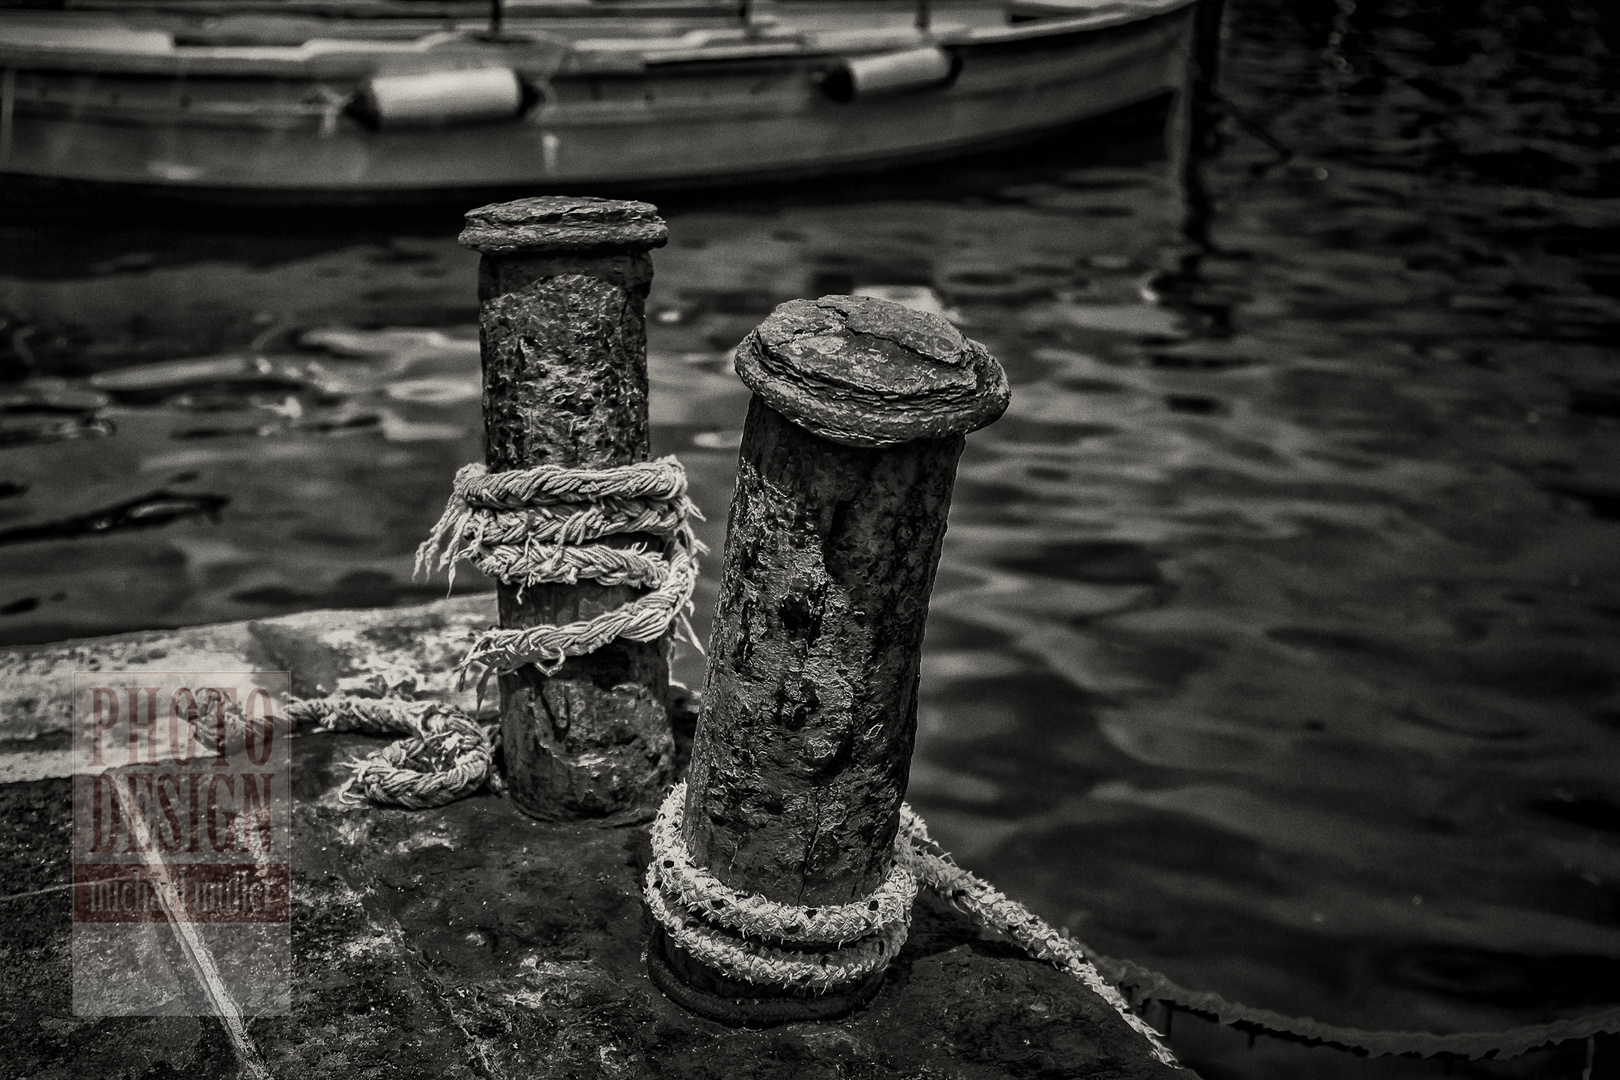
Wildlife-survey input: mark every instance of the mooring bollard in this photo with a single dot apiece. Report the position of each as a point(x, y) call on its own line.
point(562, 287)
point(777, 894)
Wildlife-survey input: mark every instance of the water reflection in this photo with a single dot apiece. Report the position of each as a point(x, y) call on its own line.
point(1275, 640)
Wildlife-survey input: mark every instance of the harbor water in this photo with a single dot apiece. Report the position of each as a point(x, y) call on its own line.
point(1276, 641)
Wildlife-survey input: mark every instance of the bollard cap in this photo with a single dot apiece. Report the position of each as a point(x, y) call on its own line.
point(561, 223)
point(868, 373)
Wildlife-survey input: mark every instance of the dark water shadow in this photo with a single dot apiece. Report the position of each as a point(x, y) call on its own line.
point(62, 214)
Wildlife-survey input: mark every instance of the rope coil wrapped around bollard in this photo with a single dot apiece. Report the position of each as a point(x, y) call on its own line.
point(524, 527)
point(538, 526)
point(752, 938)
point(569, 518)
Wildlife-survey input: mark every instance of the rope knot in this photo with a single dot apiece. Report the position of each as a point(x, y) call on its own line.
point(449, 758)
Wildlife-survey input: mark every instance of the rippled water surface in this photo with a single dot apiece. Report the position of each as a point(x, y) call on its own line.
point(1275, 642)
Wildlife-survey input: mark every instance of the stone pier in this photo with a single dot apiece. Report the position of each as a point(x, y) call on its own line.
point(470, 941)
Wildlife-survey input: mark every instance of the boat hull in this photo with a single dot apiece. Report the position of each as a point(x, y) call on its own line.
point(683, 122)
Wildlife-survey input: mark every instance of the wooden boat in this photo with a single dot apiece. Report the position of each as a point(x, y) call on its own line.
point(351, 100)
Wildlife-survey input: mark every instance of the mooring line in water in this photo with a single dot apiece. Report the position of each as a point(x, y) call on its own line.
point(1149, 985)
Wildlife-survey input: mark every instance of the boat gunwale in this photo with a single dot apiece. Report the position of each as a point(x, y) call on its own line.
point(359, 64)
point(393, 11)
point(291, 114)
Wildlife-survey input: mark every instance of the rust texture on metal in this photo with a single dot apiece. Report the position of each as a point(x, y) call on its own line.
point(848, 459)
point(562, 288)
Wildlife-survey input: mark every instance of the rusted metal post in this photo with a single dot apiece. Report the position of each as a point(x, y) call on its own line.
point(804, 742)
point(562, 287)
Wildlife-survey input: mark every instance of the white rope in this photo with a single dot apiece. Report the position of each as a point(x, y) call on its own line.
point(538, 526)
point(976, 897)
point(743, 935)
point(646, 618)
point(751, 914)
point(447, 763)
point(522, 527)
point(769, 965)
point(752, 938)
point(446, 755)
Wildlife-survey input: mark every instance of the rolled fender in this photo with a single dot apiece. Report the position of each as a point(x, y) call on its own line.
point(440, 98)
point(853, 77)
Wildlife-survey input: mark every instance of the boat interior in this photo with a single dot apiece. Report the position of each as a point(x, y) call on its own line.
point(246, 30)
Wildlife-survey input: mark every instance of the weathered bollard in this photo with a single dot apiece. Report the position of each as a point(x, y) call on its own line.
point(562, 287)
point(777, 896)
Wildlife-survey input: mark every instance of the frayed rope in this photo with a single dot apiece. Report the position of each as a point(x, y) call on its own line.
point(445, 754)
point(537, 526)
point(522, 527)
